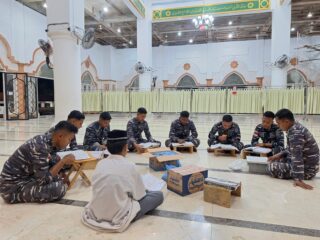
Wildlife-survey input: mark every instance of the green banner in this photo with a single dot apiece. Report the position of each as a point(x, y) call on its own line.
point(221, 8)
point(138, 5)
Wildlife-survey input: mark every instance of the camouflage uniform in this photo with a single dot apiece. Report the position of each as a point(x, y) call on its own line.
point(25, 176)
point(274, 135)
point(134, 131)
point(179, 131)
point(95, 136)
point(233, 135)
point(301, 158)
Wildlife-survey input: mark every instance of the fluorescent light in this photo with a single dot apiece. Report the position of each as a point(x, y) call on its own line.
point(179, 33)
point(293, 29)
point(119, 30)
point(45, 5)
point(130, 42)
point(190, 40)
point(105, 9)
point(230, 35)
point(310, 15)
point(230, 23)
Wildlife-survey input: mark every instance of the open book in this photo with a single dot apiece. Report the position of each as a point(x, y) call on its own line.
point(259, 149)
point(257, 160)
point(149, 145)
point(152, 183)
point(78, 154)
point(185, 144)
point(224, 147)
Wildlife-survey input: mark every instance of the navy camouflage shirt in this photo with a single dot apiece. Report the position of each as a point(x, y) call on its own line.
point(95, 136)
point(179, 131)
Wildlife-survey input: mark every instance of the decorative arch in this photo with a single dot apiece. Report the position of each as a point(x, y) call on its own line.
point(87, 82)
point(2, 66)
point(88, 66)
point(234, 78)
point(187, 80)
point(134, 83)
point(296, 77)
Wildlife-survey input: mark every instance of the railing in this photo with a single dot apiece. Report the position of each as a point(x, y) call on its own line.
point(301, 100)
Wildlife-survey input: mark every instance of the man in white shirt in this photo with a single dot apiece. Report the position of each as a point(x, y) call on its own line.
point(118, 193)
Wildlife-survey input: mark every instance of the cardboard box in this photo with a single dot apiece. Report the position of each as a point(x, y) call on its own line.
point(160, 157)
point(220, 195)
point(186, 180)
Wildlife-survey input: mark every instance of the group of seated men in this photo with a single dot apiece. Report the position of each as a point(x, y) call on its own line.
point(34, 172)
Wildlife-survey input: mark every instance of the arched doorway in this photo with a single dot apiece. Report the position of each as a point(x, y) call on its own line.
point(186, 82)
point(45, 90)
point(296, 78)
point(87, 82)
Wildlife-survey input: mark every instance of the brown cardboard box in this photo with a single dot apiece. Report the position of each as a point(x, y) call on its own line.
point(220, 195)
point(186, 180)
point(160, 157)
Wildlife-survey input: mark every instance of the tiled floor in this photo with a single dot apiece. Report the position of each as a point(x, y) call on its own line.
point(268, 208)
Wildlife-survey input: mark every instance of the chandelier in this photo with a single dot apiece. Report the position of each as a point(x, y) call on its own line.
point(203, 22)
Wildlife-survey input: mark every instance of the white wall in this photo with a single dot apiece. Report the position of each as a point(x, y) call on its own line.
point(212, 61)
point(22, 27)
point(100, 57)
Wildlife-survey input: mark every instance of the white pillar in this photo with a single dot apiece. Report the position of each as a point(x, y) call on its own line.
point(280, 40)
point(144, 46)
point(62, 15)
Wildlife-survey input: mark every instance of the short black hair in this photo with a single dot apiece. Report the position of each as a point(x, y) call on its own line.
point(227, 118)
point(184, 114)
point(66, 126)
point(142, 110)
point(117, 139)
point(269, 114)
point(75, 114)
point(285, 114)
point(105, 116)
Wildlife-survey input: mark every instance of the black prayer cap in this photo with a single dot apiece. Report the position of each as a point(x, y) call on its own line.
point(117, 135)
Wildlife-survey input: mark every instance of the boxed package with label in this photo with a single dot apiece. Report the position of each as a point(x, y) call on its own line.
point(160, 157)
point(186, 180)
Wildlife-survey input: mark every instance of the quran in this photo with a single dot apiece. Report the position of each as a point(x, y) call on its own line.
point(224, 147)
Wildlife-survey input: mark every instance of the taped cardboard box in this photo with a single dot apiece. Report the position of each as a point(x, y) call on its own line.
point(160, 157)
point(186, 180)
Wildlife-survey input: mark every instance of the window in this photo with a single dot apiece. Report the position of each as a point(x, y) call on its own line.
point(186, 82)
point(87, 82)
point(46, 72)
point(234, 79)
point(296, 78)
point(134, 85)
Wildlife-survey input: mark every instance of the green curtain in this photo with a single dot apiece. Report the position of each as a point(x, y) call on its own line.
point(148, 100)
point(205, 101)
point(173, 101)
point(209, 101)
point(91, 101)
point(116, 101)
point(313, 100)
point(244, 101)
point(293, 99)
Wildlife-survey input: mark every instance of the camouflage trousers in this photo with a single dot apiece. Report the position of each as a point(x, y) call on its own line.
point(195, 141)
point(236, 144)
point(132, 148)
point(33, 192)
point(283, 169)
